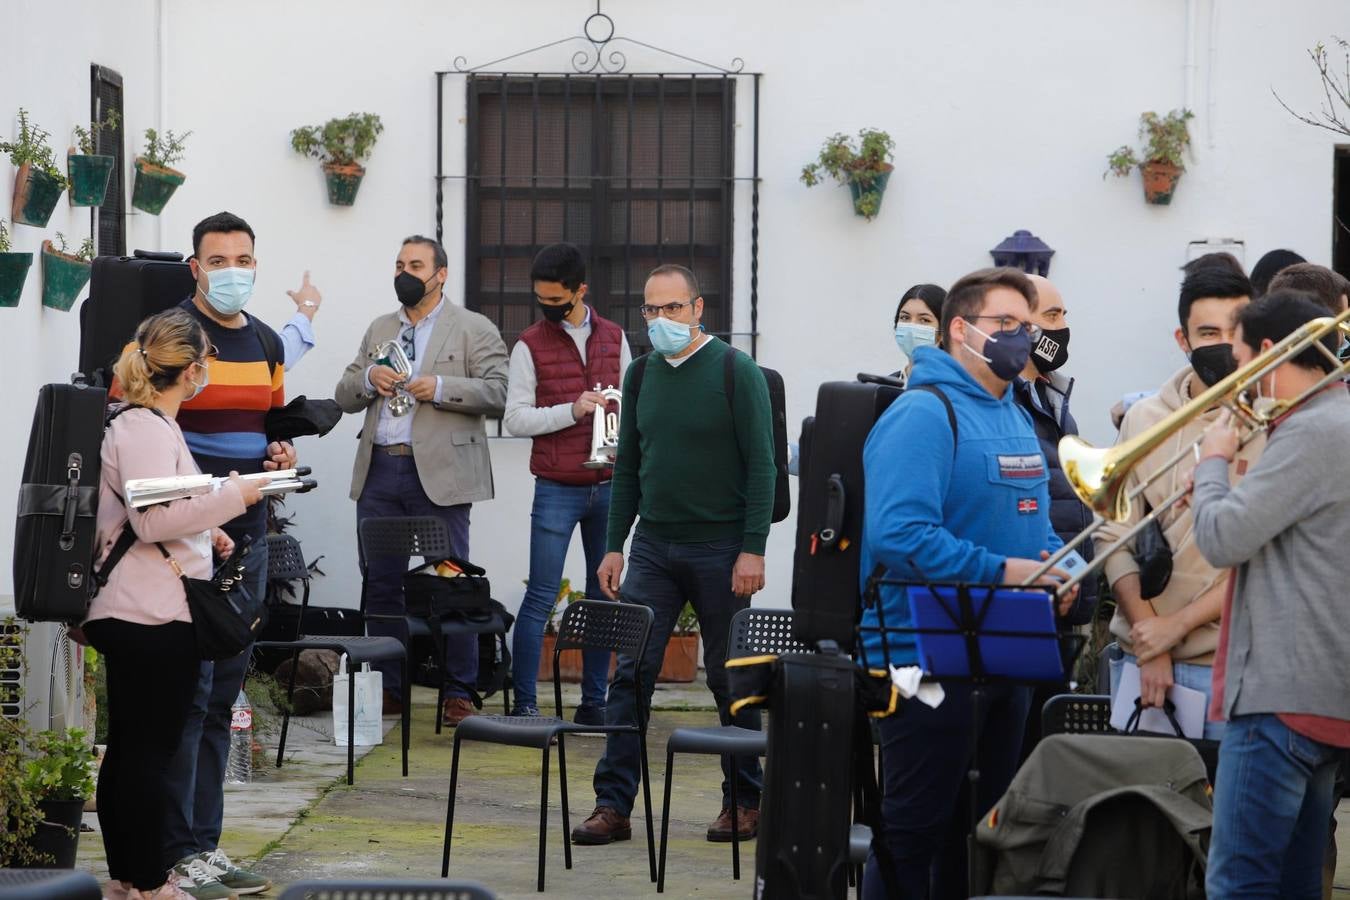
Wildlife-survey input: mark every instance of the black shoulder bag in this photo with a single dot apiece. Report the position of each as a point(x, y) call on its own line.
point(1153, 555)
point(225, 614)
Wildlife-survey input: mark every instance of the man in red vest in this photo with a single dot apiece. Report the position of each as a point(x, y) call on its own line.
point(555, 368)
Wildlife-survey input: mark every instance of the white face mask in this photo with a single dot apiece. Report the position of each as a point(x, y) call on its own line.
point(198, 387)
point(1263, 405)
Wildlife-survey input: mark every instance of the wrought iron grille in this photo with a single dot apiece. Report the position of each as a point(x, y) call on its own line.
point(108, 221)
point(636, 170)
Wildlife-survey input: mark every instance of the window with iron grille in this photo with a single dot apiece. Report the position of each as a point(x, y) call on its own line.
point(636, 170)
point(109, 220)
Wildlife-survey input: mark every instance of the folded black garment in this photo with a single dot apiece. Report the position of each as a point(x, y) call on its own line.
point(300, 417)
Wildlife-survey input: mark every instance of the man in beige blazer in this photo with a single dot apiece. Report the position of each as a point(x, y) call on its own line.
point(433, 461)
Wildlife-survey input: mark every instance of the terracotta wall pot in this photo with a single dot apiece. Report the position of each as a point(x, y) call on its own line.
point(681, 661)
point(1160, 181)
point(35, 196)
point(89, 178)
point(154, 186)
point(343, 182)
point(13, 273)
point(63, 277)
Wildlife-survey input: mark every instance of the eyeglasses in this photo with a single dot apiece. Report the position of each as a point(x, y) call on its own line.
point(1014, 325)
point(408, 338)
point(211, 355)
point(669, 310)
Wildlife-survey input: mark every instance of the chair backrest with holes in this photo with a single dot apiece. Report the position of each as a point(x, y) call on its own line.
point(285, 561)
point(1077, 714)
point(757, 632)
point(404, 536)
point(399, 889)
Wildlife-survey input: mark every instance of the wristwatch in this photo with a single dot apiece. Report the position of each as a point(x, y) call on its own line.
point(309, 303)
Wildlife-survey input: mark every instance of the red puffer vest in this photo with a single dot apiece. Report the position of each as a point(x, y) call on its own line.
point(561, 378)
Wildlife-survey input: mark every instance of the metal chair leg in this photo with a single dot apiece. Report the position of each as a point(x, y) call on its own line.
point(562, 783)
point(407, 712)
point(543, 818)
point(286, 713)
point(351, 723)
point(647, 803)
point(735, 825)
point(665, 822)
point(450, 809)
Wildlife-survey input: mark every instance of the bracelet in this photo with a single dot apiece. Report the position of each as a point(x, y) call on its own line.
point(309, 303)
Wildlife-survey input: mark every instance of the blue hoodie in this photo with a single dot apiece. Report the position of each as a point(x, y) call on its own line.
point(940, 513)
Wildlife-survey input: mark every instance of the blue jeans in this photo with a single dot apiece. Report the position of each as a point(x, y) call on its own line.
point(196, 776)
point(1272, 811)
point(1191, 675)
point(662, 576)
point(393, 488)
point(558, 510)
point(925, 801)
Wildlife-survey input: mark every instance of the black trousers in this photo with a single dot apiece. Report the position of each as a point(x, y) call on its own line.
point(152, 674)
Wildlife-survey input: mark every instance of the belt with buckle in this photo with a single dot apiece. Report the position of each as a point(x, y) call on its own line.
point(395, 449)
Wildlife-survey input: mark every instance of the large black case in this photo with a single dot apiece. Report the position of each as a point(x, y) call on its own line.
point(123, 290)
point(54, 539)
point(825, 591)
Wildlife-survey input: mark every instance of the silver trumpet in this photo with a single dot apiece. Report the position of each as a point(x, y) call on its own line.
point(391, 353)
point(605, 429)
point(142, 492)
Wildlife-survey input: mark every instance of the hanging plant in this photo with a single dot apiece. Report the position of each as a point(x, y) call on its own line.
point(155, 181)
point(1168, 138)
point(341, 145)
point(64, 274)
point(865, 169)
point(90, 170)
point(13, 270)
point(39, 183)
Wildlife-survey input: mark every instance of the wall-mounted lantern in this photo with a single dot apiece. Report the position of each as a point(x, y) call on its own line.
point(1023, 250)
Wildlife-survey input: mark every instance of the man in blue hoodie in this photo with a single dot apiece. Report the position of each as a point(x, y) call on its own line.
point(975, 510)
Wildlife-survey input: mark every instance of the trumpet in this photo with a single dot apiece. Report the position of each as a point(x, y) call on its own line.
point(1098, 475)
point(605, 429)
point(142, 492)
point(391, 353)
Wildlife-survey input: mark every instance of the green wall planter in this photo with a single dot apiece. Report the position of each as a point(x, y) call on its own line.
point(867, 196)
point(343, 183)
point(63, 277)
point(13, 273)
point(154, 186)
point(35, 196)
point(89, 178)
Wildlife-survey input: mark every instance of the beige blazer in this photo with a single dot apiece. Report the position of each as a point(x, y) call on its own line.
point(449, 438)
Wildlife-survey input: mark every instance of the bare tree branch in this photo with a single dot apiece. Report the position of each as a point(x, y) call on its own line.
point(1335, 92)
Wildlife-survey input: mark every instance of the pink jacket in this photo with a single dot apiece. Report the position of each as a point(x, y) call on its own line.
point(143, 587)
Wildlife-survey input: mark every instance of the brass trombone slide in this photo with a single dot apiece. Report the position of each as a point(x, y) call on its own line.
point(1098, 475)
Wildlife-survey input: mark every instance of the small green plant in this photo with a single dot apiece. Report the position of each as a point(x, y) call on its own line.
point(86, 251)
point(32, 148)
point(86, 139)
point(687, 621)
point(61, 766)
point(861, 165)
point(1168, 138)
point(4, 237)
point(565, 596)
point(163, 151)
point(341, 142)
point(19, 810)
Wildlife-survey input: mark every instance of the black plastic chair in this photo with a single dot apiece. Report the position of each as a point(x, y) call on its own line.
point(1077, 714)
point(586, 625)
point(400, 889)
point(286, 562)
point(48, 884)
point(753, 632)
point(425, 536)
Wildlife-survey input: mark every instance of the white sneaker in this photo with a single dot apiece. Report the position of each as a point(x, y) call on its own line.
point(240, 881)
point(199, 881)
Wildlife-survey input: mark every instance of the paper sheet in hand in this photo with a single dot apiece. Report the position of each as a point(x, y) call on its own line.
point(1015, 652)
point(1190, 704)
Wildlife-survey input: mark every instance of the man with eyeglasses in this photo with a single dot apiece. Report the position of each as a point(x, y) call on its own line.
point(938, 509)
point(434, 460)
point(695, 467)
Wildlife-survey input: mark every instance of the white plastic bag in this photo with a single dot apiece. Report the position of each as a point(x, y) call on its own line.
point(369, 727)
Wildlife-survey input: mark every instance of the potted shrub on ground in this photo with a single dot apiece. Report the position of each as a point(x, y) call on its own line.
point(88, 169)
point(865, 170)
point(1168, 137)
point(13, 270)
point(155, 181)
point(64, 274)
point(340, 144)
point(681, 661)
point(60, 774)
point(40, 182)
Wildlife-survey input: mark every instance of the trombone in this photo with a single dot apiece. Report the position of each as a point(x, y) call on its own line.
point(1098, 474)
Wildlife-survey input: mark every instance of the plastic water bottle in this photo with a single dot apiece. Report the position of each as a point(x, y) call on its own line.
point(239, 766)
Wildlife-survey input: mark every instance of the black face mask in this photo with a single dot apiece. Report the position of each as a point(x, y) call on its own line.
point(1051, 351)
point(410, 289)
point(1213, 363)
point(556, 314)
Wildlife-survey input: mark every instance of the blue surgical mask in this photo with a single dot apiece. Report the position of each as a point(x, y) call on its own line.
point(669, 337)
point(229, 289)
point(910, 335)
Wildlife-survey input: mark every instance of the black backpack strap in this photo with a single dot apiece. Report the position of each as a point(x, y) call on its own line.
point(729, 377)
point(639, 368)
point(119, 550)
point(946, 403)
point(271, 344)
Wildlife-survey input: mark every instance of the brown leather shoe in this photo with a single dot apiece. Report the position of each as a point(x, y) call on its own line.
point(456, 710)
point(392, 704)
point(605, 826)
point(747, 823)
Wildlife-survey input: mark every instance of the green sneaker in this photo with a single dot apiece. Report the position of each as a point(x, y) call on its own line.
point(240, 881)
point(198, 880)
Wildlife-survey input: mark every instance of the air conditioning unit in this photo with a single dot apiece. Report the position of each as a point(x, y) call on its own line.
point(50, 681)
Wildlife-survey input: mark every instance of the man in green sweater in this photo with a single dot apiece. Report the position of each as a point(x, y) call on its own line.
point(695, 467)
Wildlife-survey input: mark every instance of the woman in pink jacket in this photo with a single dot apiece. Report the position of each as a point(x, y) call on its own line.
point(140, 621)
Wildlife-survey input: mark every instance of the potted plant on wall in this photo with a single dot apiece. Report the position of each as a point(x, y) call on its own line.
point(64, 274)
point(39, 183)
point(1168, 137)
point(865, 169)
point(681, 660)
point(155, 181)
point(13, 270)
point(90, 170)
point(340, 144)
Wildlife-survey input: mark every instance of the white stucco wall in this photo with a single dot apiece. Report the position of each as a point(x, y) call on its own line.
point(1003, 115)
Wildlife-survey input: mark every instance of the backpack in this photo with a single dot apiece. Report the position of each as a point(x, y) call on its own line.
point(782, 495)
